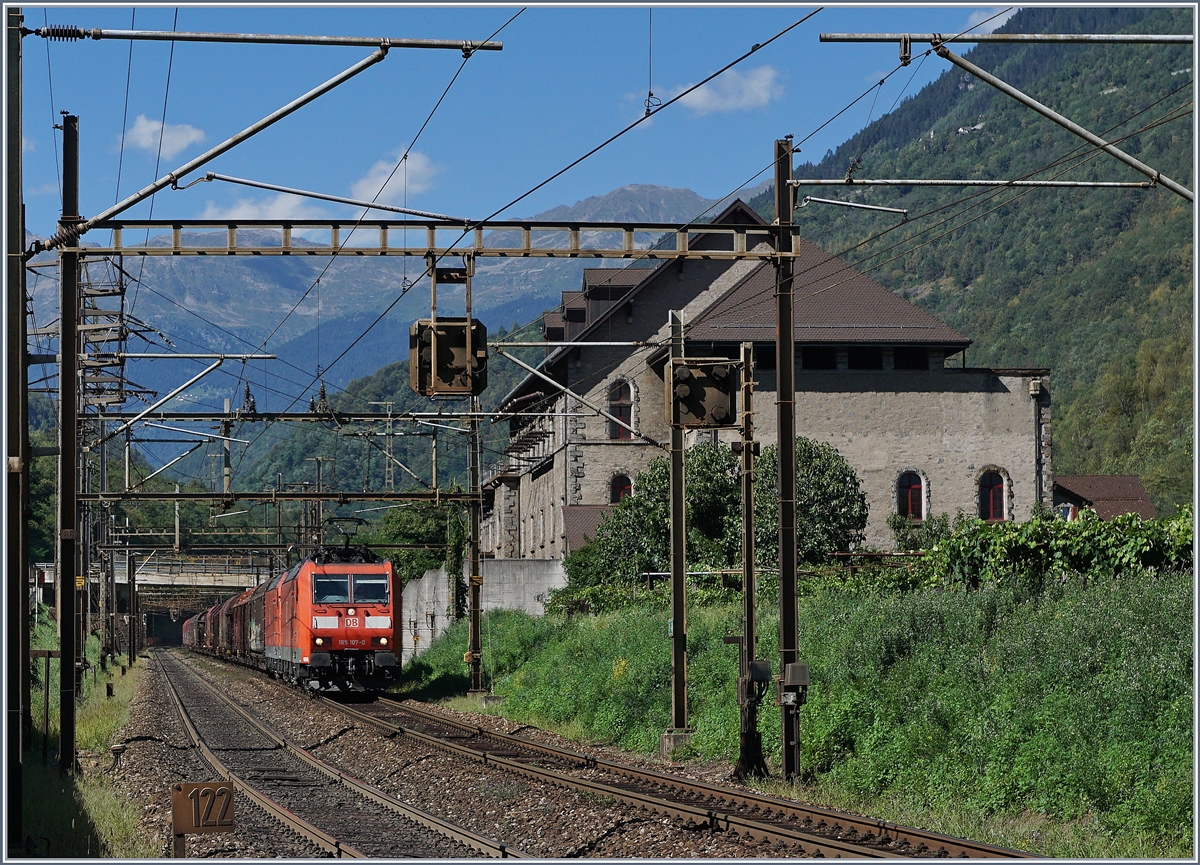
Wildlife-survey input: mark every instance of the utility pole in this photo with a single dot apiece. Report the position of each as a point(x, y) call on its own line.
point(785, 364)
point(16, 643)
point(750, 763)
point(226, 430)
point(318, 507)
point(131, 584)
point(677, 735)
point(475, 582)
point(67, 445)
point(389, 474)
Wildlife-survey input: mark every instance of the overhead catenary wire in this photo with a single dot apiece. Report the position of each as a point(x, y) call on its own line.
point(53, 125)
point(401, 161)
point(125, 111)
point(986, 194)
point(756, 47)
point(162, 128)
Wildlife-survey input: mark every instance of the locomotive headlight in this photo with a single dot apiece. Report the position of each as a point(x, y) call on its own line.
point(350, 612)
point(383, 641)
point(320, 641)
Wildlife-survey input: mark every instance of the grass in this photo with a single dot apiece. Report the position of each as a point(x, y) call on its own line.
point(1057, 722)
point(83, 814)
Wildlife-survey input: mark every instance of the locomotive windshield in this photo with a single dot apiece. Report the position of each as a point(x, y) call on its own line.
point(370, 588)
point(331, 588)
point(335, 588)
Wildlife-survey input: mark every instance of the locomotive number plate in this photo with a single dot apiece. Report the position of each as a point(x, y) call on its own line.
point(199, 808)
point(351, 622)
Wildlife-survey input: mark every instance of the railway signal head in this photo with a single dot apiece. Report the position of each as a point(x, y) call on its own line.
point(439, 363)
point(703, 392)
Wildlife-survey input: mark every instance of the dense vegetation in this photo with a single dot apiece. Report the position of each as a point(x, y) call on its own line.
point(1095, 284)
point(1052, 696)
point(634, 537)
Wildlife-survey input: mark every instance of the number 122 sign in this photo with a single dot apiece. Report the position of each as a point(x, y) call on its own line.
point(204, 807)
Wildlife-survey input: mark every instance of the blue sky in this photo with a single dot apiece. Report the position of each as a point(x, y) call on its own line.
point(567, 79)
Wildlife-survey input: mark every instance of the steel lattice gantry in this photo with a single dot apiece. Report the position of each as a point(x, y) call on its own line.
point(494, 239)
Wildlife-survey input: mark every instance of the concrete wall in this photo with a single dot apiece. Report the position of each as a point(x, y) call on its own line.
point(508, 584)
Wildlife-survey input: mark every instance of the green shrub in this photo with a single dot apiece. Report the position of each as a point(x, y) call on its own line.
point(1045, 548)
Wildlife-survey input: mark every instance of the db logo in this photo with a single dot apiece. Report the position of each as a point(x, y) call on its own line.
point(351, 622)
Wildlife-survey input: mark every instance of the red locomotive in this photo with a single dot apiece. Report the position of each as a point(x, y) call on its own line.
point(327, 622)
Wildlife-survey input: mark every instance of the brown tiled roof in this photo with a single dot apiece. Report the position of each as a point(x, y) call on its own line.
point(1110, 495)
point(573, 300)
point(834, 303)
point(580, 522)
point(627, 277)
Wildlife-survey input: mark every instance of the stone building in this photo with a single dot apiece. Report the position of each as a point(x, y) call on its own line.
point(878, 378)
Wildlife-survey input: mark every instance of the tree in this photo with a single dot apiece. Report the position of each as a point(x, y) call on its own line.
point(634, 536)
point(831, 509)
point(419, 524)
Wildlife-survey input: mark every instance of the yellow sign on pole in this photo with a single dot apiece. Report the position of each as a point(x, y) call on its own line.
point(79, 582)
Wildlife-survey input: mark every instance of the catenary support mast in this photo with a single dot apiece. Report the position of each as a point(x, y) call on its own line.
point(785, 364)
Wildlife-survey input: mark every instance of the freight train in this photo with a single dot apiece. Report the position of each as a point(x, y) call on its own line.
point(328, 622)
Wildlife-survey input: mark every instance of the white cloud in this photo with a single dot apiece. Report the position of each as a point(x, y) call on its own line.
point(984, 14)
point(418, 173)
point(281, 206)
point(176, 137)
point(735, 91)
point(28, 145)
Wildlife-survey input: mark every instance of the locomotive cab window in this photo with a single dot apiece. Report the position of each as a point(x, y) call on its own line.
point(331, 588)
point(370, 588)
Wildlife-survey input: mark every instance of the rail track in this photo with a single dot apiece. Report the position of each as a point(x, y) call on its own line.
point(338, 813)
point(814, 831)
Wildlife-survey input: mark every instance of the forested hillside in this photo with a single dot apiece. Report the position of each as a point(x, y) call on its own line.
point(1095, 284)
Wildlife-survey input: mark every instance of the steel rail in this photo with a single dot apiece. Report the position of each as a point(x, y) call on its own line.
point(811, 843)
point(424, 818)
point(294, 822)
point(913, 837)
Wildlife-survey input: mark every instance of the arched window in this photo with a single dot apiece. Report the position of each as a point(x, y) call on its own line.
point(620, 406)
point(621, 487)
point(910, 500)
point(991, 497)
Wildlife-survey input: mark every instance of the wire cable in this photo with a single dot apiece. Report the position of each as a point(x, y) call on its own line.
point(125, 112)
point(158, 154)
point(53, 126)
point(401, 161)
